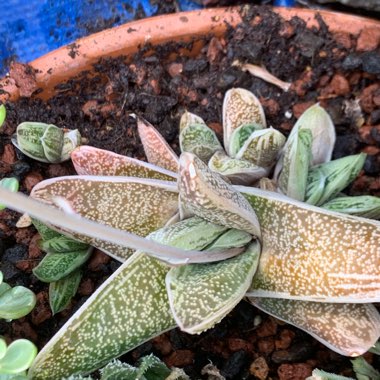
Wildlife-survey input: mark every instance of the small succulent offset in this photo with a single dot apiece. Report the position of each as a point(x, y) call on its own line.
point(16, 358)
point(15, 302)
point(202, 244)
point(11, 184)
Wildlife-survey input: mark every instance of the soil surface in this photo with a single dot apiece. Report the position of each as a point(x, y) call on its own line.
point(338, 70)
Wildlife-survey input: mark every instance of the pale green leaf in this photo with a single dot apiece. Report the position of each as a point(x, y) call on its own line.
point(19, 356)
point(293, 178)
point(240, 135)
point(376, 348)
point(116, 370)
point(16, 302)
point(157, 150)
point(364, 371)
point(207, 195)
point(71, 140)
point(11, 184)
point(189, 118)
point(45, 232)
point(229, 239)
point(88, 160)
point(201, 295)
point(349, 329)
point(62, 291)
point(318, 374)
point(313, 254)
point(239, 172)
point(240, 107)
point(3, 114)
point(200, 140)
point(3, 347)
point(63, 244)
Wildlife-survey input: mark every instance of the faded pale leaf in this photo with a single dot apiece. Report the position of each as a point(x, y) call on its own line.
point(229, 239)
point(312, 254)
point(88, 160)
point(200, 140)
point(207, 195)
point(189, 118)
point(157, 150)
point(239, 172)
point(240, 107)
point(318, 374)
point(349, 329)
point(201, 295)
point(240, 135)
point(136, 205)
point(71, 140)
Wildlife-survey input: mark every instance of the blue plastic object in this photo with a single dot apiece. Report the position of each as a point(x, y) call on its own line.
point(284, 3)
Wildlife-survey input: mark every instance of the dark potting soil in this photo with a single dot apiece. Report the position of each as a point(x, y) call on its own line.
point(335, 69)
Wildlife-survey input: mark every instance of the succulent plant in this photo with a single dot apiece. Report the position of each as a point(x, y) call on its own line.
point(204, 244)
point(3, 114)
point(46, 142)
point(11, 184)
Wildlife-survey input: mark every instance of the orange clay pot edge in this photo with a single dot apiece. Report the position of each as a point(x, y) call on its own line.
point(58, 66)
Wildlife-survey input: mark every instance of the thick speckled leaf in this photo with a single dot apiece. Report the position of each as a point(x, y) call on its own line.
point(128, 309)
point(313, 254)
point(200, 140)
point(327, 180)
point(318, 374)
point(229, 239)
point(240, 107)
point(293, 178)
point(189, 118)
point(207, 195)
point(62, 291)
point(201, 295)
point(129, 204)
point(62, 244)
point(157, 150)
point(88, 160)
point(240, 135)
point(55, 266)
point(116, 370)
point(239, 172)
point(366, 206)
point(349, 329)
point(262, 147)
point(71, 140)
point(45, 232)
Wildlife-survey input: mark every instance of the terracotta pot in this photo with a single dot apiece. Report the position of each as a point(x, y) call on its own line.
point(70, 60)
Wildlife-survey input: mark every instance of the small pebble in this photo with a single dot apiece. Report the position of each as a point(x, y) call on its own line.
point(259, 368)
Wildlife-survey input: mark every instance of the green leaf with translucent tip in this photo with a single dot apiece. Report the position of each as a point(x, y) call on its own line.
point(52, 143)
point(93, 336)
point(240, 107)
point(207, 195)
point(16, 302)
point(376, 348)
point(365, 206)
point(313, 254)
point(293, 178)
point(229, 239)
point(3, 114)
point(62, 244)
point(55, 266)
point(200, 295)
point(262, 147)
point(71, 140)
point(240, 135)
point(19, 356)
point(200, 140)
point(88, 160)
point(318, 374)
point(157, 150)
point(129, 204)
point(237, 171)
point(11, 184)
point(333, 176)
point(189, 118)
point(364, 371)
point(193, 232)
point(62, 291)
point(349, 329)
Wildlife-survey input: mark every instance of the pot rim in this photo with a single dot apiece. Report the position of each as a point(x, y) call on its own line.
point(69, 60)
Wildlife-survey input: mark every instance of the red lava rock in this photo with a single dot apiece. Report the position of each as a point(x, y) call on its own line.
point(107, 109)
point(35, 251)
point(300, 108)
point(24, 77)
point(26, 265)
point(354, 78)
point(344, 39)
point(86, 287)
point(155, 85)
point(97, 260)
point(216, 127)
point(5, 230)
point(8, 86)
point(371, 150)
point(266, 345)
point(236, 344)
point(259, 368)
point(294, 371)
point(139, 73)
point(376, 98)
point(301, 84)
point(24, 235)
point(214, 50)
point(110, 93)
point(179, 358)
point(31, 180)
point(365, 134)
point(175, 69)
point(9, 154)
point(339, 85)
point(366, 97)
point(287, 30)
point(324, 80)
point(22, 329)
point(90, 107)
point(58, 170)
point(42, 310)
point(267, 328)
point(271, 107)
point(162, 344)
point(286, 337)
point(286, 126)
point(369, 39)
